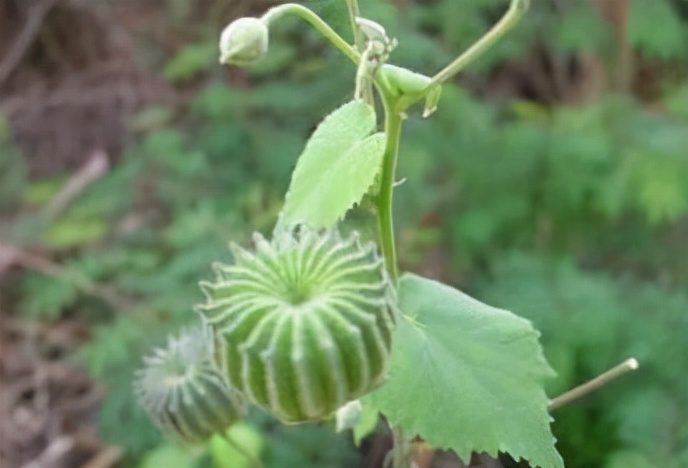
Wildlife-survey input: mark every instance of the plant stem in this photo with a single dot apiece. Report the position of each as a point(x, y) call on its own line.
point(366, 91)
point(384, 201)
point(516, 10)
point(402, 449)
point(255, 463)
point(592, 385)
point(317, 22)
point(354, 12)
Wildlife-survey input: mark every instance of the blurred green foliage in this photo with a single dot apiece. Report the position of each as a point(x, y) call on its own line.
point(589, 321)
point(12, 170)
point(574, 216)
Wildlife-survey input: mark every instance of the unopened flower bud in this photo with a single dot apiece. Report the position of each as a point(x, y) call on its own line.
point(244, 42)
point(372, 30)
point(184, 391)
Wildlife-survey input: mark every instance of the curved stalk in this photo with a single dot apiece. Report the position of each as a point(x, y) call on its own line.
point(516, 10)
point(317, 22)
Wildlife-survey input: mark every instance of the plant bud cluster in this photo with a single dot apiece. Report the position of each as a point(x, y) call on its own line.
point(300, 326)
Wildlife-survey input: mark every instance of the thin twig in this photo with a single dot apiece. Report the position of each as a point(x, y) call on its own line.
point(317, 22)
point(517, 9)
point(106, 458)
point(92, 170)
point(53, 454)
point(594, 384)
point(81, 282)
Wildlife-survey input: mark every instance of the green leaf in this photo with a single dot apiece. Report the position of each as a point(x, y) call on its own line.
point(42, 191)
point(151, 118)
point(227, 456)
point(467, 376)
point(13, 169)
point(661, 186)
point(665, 42)
point(630, 459)
point(75, 231)
point(581, 16)
point(191, 59)
point(44, 297)
point(216, 102)
point(676, 101)
point(172, 456)
point(336, 168)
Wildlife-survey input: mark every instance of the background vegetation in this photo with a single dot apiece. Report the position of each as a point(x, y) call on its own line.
point(552, 181)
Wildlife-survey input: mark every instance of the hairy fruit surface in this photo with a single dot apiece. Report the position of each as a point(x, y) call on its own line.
point(184, 391)
point(306, 322)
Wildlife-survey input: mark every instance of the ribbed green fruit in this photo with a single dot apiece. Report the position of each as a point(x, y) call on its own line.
point(307, 322)
point(184, 391)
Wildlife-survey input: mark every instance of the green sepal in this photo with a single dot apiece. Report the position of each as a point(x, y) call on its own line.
point(410, 87)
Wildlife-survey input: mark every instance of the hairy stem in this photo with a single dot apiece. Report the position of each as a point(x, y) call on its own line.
point(402, 451)
point(317, 22)
point(365, 92)
point(354, 12)
point(516, 10)
point(592, 385)
point(384, 201)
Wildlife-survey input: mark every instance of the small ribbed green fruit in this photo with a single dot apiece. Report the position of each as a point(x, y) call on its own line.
point(307, 322)
point(184, 391)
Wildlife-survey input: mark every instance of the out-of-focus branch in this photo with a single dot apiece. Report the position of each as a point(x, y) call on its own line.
point(96, 166)
point(106, 458)
point(11, 255)
point(25, 37)
point(617, 14)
